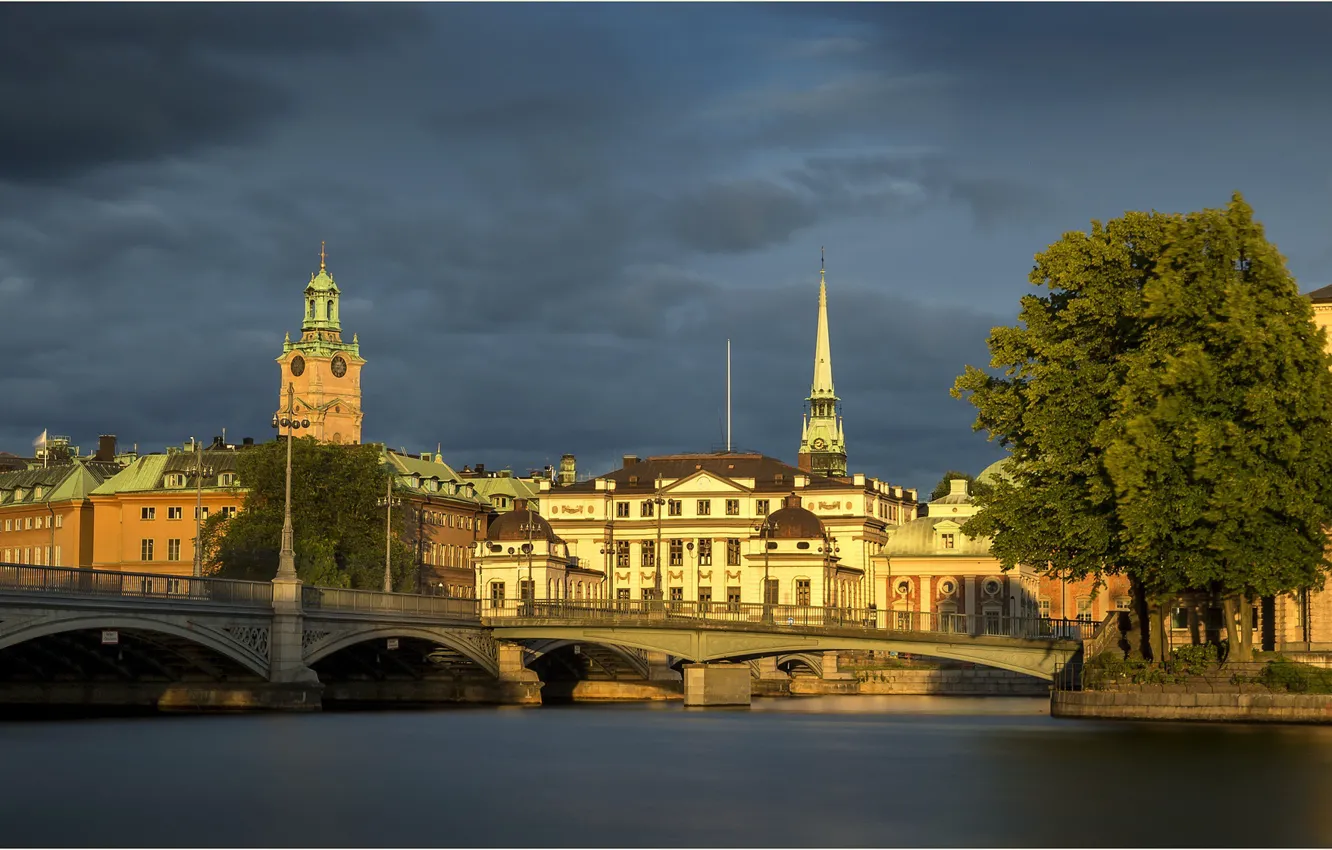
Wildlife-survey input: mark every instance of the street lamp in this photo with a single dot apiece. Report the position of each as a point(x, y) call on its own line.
point(287, 556)
point(388, 502)
point(658, 500)
point(689, 547)
point(200, 472)
point(829, 550)
point(764, 529)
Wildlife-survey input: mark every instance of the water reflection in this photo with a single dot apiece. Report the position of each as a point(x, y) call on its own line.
point(822, 771)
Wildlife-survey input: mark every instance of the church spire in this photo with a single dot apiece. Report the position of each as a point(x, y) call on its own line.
point(823, 379)
point(822, 443)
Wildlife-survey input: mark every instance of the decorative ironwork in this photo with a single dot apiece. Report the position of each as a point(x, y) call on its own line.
point(310, 637)
point(254, 638)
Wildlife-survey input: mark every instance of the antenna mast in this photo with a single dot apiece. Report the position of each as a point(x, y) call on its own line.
point(728, 395)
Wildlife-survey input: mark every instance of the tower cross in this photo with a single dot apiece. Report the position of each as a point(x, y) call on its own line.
point(321, 255)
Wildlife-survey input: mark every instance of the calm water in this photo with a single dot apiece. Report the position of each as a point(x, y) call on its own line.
point(828, 771)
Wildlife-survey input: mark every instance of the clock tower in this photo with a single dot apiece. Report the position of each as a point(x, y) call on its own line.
point(822, 445)
point(325, 371)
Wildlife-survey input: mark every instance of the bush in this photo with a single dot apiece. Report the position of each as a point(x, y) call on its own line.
point(1295, 678)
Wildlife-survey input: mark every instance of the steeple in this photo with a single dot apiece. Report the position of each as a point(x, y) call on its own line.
point(322, 315)
point(822, 444)
point(823, 379)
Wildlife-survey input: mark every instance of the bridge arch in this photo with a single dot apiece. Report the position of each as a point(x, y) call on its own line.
point(475, 653)
point(639, 664)
point(811, 660)
point(219, 642)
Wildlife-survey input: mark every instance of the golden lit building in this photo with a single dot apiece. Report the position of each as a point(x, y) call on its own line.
point(146, 517)
point(692, 527)
point(522, 558)
point(324, 370)
point(447, 515)
point(46, 516)
point(503, 488)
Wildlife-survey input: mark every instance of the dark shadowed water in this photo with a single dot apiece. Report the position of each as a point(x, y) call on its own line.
point(827, 771)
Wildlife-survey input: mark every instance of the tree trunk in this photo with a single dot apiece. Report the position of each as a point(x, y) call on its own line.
point(1142, 613)
point(1195, 628)
point(1160, 647)
point(1245, 645)
point(1231, 609)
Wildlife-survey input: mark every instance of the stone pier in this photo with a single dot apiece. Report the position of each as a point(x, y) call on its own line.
point(717, 684)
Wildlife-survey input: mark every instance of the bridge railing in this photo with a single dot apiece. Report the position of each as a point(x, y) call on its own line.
point(345, 599)
point(73, 581)
point(624, 611)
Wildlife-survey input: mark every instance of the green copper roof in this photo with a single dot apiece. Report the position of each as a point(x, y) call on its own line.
point(74, 480)
point(431, 478)
point(149, 473)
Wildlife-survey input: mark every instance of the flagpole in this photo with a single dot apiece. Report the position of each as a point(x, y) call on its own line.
point(728, 395)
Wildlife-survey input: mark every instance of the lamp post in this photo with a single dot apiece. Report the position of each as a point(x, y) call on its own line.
point(658, 500)
point(689, 547)
point(287, 556)
point(829, 549)
point(764, 529)
point(200, 472)
point(388, 502)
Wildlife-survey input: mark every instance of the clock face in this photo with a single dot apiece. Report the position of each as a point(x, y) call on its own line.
point(339, 366)
point(820, 444)
point(297, 366)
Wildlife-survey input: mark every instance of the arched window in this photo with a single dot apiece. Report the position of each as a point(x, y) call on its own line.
point(309, 310)
point(330, 310)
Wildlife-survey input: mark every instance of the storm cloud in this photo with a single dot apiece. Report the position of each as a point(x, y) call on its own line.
point(547, 220)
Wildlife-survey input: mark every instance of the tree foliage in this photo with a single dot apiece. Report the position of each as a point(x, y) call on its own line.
point(1168, 406)
point(337, 518)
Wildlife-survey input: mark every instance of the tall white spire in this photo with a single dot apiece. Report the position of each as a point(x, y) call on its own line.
point(823, 379)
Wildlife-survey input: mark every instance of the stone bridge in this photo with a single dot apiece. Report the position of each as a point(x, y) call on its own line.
point(77, 636)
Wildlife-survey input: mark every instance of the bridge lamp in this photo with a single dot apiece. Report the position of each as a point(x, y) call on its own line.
point(289, 421)
point(388, 501)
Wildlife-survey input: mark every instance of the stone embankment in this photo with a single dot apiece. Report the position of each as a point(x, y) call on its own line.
point(1161, 704)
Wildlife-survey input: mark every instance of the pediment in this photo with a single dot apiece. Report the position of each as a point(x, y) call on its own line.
point(947, 527)
point(705, 482)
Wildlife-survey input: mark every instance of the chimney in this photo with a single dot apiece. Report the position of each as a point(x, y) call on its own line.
point(791, 501)
point(568, 470)
point(630, 460)
point(480, 469)
point(106, 448)
point(247, 442)
point(957, 487)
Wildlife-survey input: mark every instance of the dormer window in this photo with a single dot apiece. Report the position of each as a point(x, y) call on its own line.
point(175, 479)
point(226, 479)
point(19, 493)
point(947, 541)
point(37, 492)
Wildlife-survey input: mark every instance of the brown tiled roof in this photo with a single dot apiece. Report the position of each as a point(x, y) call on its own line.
point(514, 526)
point(1321, 296)
point(763, 469)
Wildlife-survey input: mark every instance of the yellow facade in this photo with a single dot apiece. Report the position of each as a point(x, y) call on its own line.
point(691, 526)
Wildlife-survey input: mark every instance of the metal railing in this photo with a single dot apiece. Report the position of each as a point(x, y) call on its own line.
point(73, 581)
point(345, 599)
point(800, 617)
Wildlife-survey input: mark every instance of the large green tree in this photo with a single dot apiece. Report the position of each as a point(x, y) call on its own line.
point(1167, 405)
point(337, 516)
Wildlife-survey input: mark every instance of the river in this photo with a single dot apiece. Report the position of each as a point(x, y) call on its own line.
point(820, 771)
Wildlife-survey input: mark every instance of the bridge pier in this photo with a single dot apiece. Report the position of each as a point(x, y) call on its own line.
point(717, 684)
point(659, 668)
point(295, 686)
point(517, 684)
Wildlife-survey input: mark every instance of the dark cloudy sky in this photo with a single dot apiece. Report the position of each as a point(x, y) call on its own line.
point(547, 220)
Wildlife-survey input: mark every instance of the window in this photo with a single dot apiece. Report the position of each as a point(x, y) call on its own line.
point(526, 590)
point(175, 479)
point(947, 540)
point(704, 552)
point(1045, 607)
point(704, 594)
point(705, 507)
point(27, 522)
point(146, 549)
point(228, 512)
point(645, 594)
point(770, 592)
point(199, 515)
point(761, 507)
point(622, 593)
point(674, 507)
point(147, 513)
point(226, 479)
point(8, 525)
point(733, 552)
point(733, 507)
point(36, 492)
point(173, 549)
point(677, 553)
point(647, 507)
point(649, 554)
point(175, 513)
point(1084, 608)
point(732, 596)
point(621, 553)
point(496, 594)
point(802, 591)
point(57, 556)
point(677, 594)
point(622, 509)
point(1179, 618)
